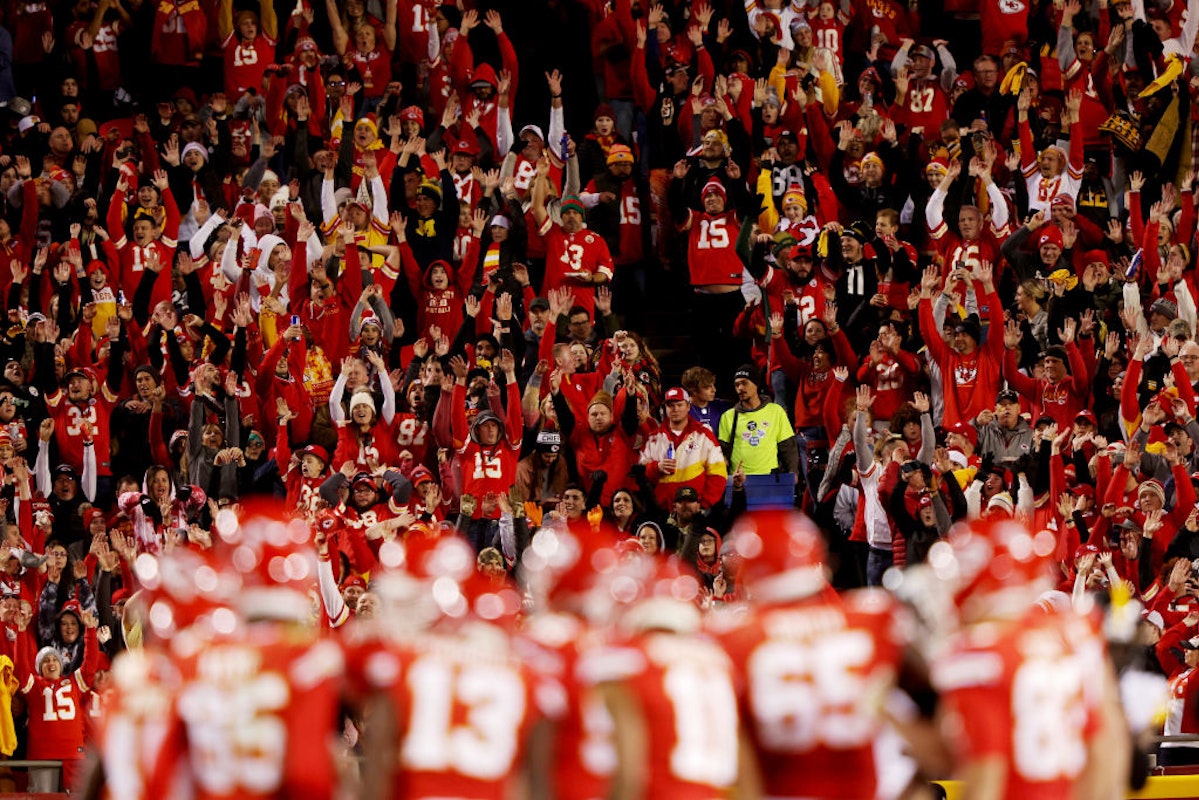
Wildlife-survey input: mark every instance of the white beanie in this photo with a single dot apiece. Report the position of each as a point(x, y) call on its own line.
point(194, 147)
point(42, 655)
point(362, 398)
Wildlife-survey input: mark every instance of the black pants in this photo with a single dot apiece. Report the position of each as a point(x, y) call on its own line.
point(712, 318)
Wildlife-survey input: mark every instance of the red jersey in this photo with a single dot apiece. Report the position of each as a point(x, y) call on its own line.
point(523, 174)
point(414, 18)
point(468, 190)
point(374, 68)
point(252, 719)
point(180, 33)
point(630, 247)
point(440, 307)
point(246, 62)
point(28, 22)
point(829, 33)
point(303, 494)
point(57, 710)
point(684, 687)
point(131, 736)
point(56, 716)
point(374, 447)
point(487, 468)
point(569, 254)
point(1062, 400)
point(889, 16)
point(893, 379)
point(972, 381)
point(1024, 690)
point(1182, 711)
point(134, 256)
point(584, 754)
point(809, 673)
point(809, 295)
point(467, 707)
point(68, 419)
point(103, 53)
point(411, 434)
point(1003, 21)
point(712, 249)
point(926, 105)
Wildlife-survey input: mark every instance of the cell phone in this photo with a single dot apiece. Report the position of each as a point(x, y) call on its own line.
point(295, 319)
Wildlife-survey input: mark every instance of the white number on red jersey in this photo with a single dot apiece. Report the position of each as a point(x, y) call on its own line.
point(410, 431)
point(420, 18)
point(525, 172)
point(75, 419)
point(807, 309)
point(705, 716)
point(489, 467)
point(630, 211)
point(888, 377)
point(1048, 715)
point(244, 56)
point(803, 695)
point(60, 705)
point(465, 718)
point(829, 38)
point(596, 750)
point(234, 737)
point(174, 23)
point(572, 257)
point(922, 99)
point(713, 234)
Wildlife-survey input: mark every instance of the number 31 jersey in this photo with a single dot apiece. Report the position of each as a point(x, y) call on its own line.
point(813, 677)
point(1026, 691)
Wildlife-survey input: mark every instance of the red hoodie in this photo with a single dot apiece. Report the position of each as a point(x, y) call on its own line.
point(440, 307)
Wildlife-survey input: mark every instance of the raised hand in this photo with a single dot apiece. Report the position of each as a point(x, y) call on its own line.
point(863, 398)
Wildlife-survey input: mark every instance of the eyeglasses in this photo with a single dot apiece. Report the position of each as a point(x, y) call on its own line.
point(335, 83)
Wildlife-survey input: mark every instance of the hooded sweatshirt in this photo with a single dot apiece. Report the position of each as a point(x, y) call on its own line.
point(440, 307)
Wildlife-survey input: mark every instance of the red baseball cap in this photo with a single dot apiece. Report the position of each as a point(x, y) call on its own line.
point(677, 393)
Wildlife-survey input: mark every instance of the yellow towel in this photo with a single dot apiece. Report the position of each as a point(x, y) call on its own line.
point(8, 687)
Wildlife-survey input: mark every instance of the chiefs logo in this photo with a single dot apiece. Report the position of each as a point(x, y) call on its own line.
point(806, 230)
point(1011, 7)
point(1055, 394)
point(965, 374)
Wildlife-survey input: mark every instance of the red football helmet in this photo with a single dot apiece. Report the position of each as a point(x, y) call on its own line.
point(994, 566)
point(185, 588)
point(563, 568)
point(659, 594)
point(783, 554)
point(459, 590)
point(274, 555)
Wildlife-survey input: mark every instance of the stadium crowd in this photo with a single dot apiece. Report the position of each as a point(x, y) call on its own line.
point(397, 267)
